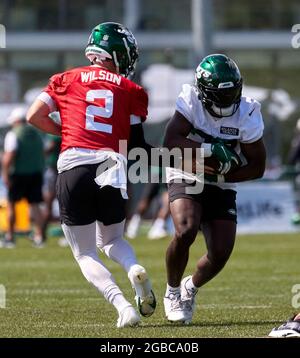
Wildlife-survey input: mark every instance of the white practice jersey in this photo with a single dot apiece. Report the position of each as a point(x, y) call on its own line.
point(244, 126)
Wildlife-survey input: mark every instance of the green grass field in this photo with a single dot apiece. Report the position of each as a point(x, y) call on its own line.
point(48, 297)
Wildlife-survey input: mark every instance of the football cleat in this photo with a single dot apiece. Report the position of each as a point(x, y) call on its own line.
point(188, 298)
point(7, 244)
point(128, 318)
point(289, 329)
point(144, 296)
point(174, 308)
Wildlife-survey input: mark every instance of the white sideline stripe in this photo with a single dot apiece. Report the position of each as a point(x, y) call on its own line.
point(63, 325)
point(36, 264)
point(46, 291)
point(233, 306)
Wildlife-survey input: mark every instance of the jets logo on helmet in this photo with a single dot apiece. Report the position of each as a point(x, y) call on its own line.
point(219, 83)
point(113, 41)
point(129, 35)
point(200, 72)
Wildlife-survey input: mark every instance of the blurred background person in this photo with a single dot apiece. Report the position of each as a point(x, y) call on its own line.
point(293, 162)
point(158, 229)
point(22, 173)
point(52, 150)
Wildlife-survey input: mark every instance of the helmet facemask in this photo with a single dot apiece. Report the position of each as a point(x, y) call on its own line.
point(221, 102)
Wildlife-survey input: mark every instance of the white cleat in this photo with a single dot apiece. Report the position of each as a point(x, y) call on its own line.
point(174, 309)
point(284, 333)
point(289, 329)
point(188, 299)
point(6, 244)
point(144, 295)
point(128, 318)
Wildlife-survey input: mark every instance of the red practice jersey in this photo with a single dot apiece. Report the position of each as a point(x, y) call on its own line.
point(95, 107)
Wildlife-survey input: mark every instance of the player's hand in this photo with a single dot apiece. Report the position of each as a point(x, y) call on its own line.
point(209, 170)
point(225, 167)
point(221, 152)
point(227, 156)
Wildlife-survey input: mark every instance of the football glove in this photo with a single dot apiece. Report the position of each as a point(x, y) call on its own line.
point(226, 155)
point(222, 153)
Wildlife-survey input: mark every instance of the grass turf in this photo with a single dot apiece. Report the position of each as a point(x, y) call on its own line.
point(48, 297)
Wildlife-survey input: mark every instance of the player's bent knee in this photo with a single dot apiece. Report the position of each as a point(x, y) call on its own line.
point(219, 257)
point(186, 235)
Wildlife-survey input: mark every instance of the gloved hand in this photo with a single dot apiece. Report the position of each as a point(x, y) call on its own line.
point(227, 156)
point(222, 152)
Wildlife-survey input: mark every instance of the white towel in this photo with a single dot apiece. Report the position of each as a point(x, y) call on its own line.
point(114, 175)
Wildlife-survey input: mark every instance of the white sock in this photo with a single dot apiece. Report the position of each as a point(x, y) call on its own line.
point(172, 290)
point(121, 252)
point(110, 241)
point(82, 240)
point(114, 295)
point(133, 226)
point(190, 285)
point(135, 220)
point(159, 223)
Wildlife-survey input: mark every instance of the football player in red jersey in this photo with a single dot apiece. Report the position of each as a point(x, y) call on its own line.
point(99, 107)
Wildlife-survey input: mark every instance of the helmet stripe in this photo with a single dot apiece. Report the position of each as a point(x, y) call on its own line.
point(116, 62)
point(127, 48)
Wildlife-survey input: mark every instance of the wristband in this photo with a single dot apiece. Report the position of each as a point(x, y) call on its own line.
point(207, 149)
point(221, 179)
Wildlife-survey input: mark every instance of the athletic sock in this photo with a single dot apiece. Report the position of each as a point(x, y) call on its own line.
point(172, 290)
point(189, 285)
point(114, 295)
point(159, 223)
point(121, 252)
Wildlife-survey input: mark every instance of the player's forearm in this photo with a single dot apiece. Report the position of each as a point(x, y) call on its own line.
point(248, 172)
point(137, 140)
point(45, 124)
point(38, 116)
point(181, 143)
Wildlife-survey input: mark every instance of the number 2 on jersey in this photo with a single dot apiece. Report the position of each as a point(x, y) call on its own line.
point(104, 112)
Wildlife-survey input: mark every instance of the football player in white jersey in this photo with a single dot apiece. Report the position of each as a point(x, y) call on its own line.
point(211, 114)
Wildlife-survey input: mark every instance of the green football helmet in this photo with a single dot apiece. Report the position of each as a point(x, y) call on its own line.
point(113, 41)
point(219, 83)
